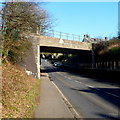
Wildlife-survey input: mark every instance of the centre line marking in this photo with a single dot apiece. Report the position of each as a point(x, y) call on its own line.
point(90, 86)
point(68, 78)
point(76, 81)
point(112, 94)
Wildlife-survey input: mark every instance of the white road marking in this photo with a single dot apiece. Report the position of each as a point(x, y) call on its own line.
point(112, 94)
point(77, 115)
point(68, 78)
point(85, 84)
point(98, 89)
point(78, 81)
point(90, 86)
point(105, 92)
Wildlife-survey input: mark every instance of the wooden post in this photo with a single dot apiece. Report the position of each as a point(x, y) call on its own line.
point(73, 36)
point(114, 63)
point(79, 37)
point(93, 56)
point(118, 64)
point(107, 64)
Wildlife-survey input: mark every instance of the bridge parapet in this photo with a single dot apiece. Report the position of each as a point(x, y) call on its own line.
point(63, 35)
point(63, 43)
point(32, 59)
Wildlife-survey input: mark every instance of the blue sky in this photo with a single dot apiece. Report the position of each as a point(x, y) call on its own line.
point(98, 19)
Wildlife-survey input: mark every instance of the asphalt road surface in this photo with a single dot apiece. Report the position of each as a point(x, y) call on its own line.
point(90, 97)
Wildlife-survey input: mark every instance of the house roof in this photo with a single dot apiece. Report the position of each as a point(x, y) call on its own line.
point(92, 40)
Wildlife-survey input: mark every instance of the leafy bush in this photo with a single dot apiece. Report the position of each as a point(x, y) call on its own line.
point(17, 18)
point(107, 50)
point(115, 50)
point(14, 50)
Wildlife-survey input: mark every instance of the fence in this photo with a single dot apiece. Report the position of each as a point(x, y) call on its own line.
point(109, 65)
point(62, 35)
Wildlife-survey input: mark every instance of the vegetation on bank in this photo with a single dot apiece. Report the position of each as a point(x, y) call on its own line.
point(107, 50)
point(18, 18)
point(19, 93)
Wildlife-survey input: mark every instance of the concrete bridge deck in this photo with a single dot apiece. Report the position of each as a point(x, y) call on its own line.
point(50, 44)
point(63, 43)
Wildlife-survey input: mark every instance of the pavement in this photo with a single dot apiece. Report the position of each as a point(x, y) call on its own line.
point(51, 104)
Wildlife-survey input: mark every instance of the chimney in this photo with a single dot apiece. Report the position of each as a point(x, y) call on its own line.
point(106, 38)
point(85, 36)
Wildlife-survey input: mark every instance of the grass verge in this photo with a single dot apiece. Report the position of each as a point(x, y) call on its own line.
point(19, 93)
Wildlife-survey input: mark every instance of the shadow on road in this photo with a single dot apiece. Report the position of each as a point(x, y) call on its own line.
point(108, 116)
point(51, 69)
point(111, 77)
point(104, 94)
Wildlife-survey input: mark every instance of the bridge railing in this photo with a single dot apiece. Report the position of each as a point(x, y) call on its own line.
point(62, 35)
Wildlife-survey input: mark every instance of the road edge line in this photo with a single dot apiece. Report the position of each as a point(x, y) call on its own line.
point(69, 105)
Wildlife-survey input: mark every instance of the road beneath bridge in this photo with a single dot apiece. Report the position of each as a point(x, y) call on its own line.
point(40, 43)
point(63, 50)
point(90, 98)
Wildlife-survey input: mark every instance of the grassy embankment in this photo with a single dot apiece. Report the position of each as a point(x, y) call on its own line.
point(19, 93)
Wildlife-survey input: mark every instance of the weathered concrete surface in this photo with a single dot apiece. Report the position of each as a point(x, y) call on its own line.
point(32, 59)
point(62, 43)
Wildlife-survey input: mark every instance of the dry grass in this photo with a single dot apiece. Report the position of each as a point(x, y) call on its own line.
point(19, 93)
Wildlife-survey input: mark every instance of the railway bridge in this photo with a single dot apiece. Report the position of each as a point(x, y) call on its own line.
point(53, 45)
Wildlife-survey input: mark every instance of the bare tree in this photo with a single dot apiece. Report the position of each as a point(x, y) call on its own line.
point(25, 16)
point(20, 17)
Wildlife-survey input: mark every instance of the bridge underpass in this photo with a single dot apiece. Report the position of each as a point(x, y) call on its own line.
point(63, 50)
point(80, 57)
point(53, 45)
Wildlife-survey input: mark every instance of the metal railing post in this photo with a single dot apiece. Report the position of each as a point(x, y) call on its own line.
point(67, 36)
point(63, 35)
point(53, 33)
point(60, 34)
point(79, 37)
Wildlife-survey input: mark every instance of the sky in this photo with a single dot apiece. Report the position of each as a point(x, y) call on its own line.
point(97, 19)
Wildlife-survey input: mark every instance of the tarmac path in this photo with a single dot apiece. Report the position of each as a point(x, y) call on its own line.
point(89, 97)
